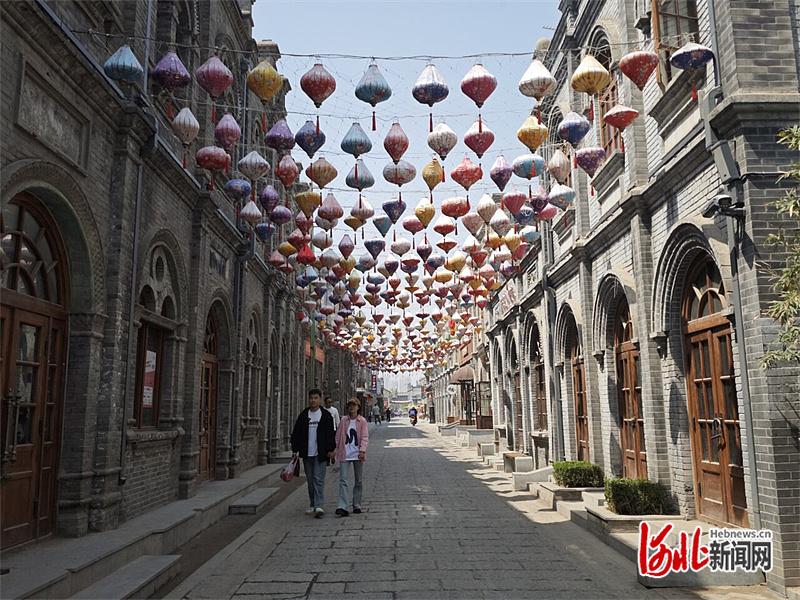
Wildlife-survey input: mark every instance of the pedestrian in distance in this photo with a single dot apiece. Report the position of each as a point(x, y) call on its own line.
point(333, 410)
point(352, 439)
point(376, 413)
point(314, 439)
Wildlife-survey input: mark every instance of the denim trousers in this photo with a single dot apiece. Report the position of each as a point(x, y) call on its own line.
point(358, 471)
point(315, 478)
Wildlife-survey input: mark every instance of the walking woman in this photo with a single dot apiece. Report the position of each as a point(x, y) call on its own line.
point(352, 439)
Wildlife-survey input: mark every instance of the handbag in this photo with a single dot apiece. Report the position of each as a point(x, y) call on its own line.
point(291, 470)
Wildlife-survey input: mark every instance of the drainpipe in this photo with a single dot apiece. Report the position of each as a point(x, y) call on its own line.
point(550, 316)
point(238, 272)
point(132, 339)
point(730, 177)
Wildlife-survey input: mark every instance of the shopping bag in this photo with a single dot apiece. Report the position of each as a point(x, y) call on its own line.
point(291, 470)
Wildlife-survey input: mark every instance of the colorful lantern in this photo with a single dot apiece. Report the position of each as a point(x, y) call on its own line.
point(691, 57)
point(280, 215)
point(287, 171)
point(559, 167)
point(264, 81)
point(318, 84)
point(537, 82)
point(355, 141)
point(590, 77)
point(561, 196)
point(321, 172)
point(590, 159)
point(466, 173)
point(251, 213)
point(374, 247)
point(573, 128)
point(264, 231)
point(444, 225)
point(528, 166)
point(253, 166)
point(308, 201)
point(123, 66)
point(212, 158)
point(185, 127)
point(170, 74)
point(532, 133)
point(478, 84)
point(330, 208)
point(214, 77)
point(227, 132)
point(442, 140)
point(309, 138)
point(500, 222)
point(639, 66)
point(430, 88)
point(373, 88)
point(620, 117)
point(382, 223)
point(433, 175)
point(399, 173)
point(394, 209)
point(280, 137)
point(513, 201)
point(486, 208)
point(237, 189)
point(269, 198)
point(478, 138)
point(425, 211)
point(362, 211)
point(501, 172)
point(473, 222)
point(359, 177)
point(396, 142)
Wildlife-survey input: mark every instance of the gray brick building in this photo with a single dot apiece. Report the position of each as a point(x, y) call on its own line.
point(147, 345)
point(640, 316)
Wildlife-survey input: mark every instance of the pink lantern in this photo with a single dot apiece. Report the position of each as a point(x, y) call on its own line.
point(318, 84)
point(466, 173)
point(455, 206)
point(513, 201)
point(346, 246)
point(620, 117)
point(185, 127)
point(214, 77)
point(442, 140)
point(479, 138)
point(330, 208)
point(227, 132)
point(213, 158)
point(639, 66)
point(287, 171)
point(478, 84)
point(396, 142)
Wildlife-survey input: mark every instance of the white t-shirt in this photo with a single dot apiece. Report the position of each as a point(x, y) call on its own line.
point(335, 414)
point(313, 423)
point(351, 446)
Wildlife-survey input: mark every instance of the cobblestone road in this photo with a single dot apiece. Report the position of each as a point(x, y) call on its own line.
point(435, 525)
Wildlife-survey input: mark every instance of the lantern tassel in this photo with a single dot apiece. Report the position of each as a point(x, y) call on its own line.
point(480, 124)
point(317, 124)
point(622, 143)
point(213, 112)
point(575, 160)
point(694, 91)
point(264, 123)
point(592, 189)
point(431, 123)
point(591, 108)
point(539, 114)
point(374, 126)
point(169, 108)
point(184, 159)
point(443, 171)
point(356, 170)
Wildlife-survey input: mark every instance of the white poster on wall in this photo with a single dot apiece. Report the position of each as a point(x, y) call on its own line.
point(149, 379)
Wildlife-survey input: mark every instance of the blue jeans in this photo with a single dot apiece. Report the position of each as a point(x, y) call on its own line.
point(358, 471)
point(315, 478)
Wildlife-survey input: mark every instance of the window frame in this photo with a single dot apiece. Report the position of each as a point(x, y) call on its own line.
point(145, 329)
point(663, 48)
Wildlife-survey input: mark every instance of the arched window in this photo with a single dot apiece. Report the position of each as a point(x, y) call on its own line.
point(629, 394)
point(252, 372)
point(610, 137)
point(539, 382)
point(578, 390)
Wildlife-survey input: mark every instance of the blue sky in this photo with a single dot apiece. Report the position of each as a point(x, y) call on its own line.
point(389, 31)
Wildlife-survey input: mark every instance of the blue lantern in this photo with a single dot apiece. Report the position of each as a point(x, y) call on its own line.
point(309, 138)
point(123, 66)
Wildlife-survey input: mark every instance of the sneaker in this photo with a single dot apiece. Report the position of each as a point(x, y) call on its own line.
point(356, 510)
point(340, 512)
point(318, 512)
point(310, 511)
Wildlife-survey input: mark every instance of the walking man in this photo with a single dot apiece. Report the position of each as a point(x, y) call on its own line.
point(314, 438)
point(376, 413)
point(333, 410)
point(352, 439)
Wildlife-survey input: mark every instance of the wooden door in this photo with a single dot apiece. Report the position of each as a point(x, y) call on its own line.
point(518, 433)
point(579, 395)
point(629, 396)
point(207, 434)
point(712, 402)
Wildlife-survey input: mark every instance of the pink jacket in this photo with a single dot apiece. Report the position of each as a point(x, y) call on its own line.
point(362, 430)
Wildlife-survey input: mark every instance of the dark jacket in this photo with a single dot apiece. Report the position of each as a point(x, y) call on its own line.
point(326, 436)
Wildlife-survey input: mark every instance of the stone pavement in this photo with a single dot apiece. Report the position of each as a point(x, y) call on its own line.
point(435, 525)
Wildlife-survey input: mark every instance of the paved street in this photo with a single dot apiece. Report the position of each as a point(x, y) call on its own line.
point(435, 525)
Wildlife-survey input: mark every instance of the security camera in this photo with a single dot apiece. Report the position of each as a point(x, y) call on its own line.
point(723, 200)
point(710, 209)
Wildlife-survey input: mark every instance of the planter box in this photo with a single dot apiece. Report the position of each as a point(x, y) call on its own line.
point(552, 493)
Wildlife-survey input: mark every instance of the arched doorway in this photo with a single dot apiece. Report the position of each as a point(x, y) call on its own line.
point(207, 433)
point(513, 362)
point(538, 380)
point(578, 390)
point(629, 395)
point(33, 332)
point(711, 389)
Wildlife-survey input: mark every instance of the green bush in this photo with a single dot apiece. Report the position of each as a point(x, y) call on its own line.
point(577, 473)
point(635, 496)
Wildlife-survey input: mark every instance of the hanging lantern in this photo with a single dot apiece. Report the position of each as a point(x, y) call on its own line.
point(359, 177)
point(363, 210)
point(280, 215)
point(486, 208)
point(185, 127)
point(513, 201)
point(547, 213)
point(394, 209)
point(321, 172)
point(280, 137)
point(400, 173)
point(501, 172)
point(227, 132)
point(433, 174)
point(318, 84)
point(374, 247)
point(373, 88)
point(269, 198)
point(308, 201)
point(253, 166)
point(590, 78)
point(237, 189)
point(500, 223)
point(212, 158)
point(455, 206)
point(330, 208)
point(430, 88)
point(466, 173)
point(170, 74)
point(532, 133)
point(264, 231)
point(287, 171)
point(444, 225)
point(561, 196)
point(590, 159)
point(396, 142)
point(355, 141)
point(123, 66)
point(620, 117)
point(346, 246)
point(473, 222)
point(264, 81)
point(691, 57)
point(573, 128)
point(309, 138)
point(528, 166)
point(424, 249)
point(559, 167)
point(442, 140)
point(251, 213)
point(639, 66)
point(425, 211)
point(382, 224)
point(478, 84)
point(214, 77)
point(537, 82)
point(478, 138)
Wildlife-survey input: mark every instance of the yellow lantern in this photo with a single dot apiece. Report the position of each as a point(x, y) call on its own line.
point(512, 240)
point(442, 275)
point(532, 133)
point(433, 174)
point(425, 211)
point(456, 262)
point(264, 81)
point(348, 264)
point(590, 78)
point(286, 249)
point(308, 202)
point(493, 240)
point(353, 222)
point(321, 172)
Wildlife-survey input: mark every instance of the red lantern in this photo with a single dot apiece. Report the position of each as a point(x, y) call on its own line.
point(638, 66)
point(466, 173)
point(318, 84)
point(620, 117)
point(396, 142)
point(214, 77)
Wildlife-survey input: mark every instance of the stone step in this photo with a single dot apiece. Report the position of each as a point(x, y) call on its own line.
point(140, 578)
point(252, 502)
point(594, 499)
point(574, 511)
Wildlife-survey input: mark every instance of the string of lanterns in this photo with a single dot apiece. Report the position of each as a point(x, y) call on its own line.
point(327, 273)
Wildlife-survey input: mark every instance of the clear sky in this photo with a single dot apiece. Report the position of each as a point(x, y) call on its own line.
point(390, 31)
